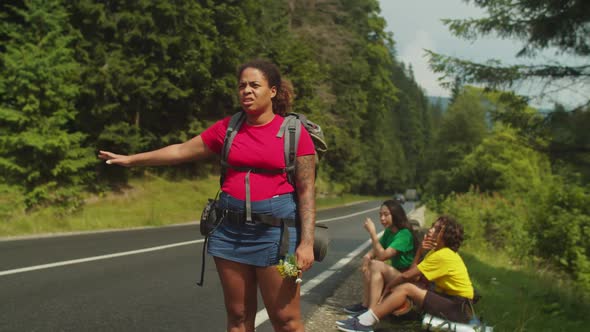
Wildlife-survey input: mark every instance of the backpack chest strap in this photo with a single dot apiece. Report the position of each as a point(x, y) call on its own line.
point(291, 125)
point(253, 169)
point(249, 170)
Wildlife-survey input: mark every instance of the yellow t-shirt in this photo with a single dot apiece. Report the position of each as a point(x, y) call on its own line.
point(448, 272)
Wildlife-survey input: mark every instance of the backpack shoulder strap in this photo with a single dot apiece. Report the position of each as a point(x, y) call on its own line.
point(235, 123)
point(292, 127)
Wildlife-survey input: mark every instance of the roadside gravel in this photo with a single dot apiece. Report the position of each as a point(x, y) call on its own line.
point(350, 291)
point(323, 319)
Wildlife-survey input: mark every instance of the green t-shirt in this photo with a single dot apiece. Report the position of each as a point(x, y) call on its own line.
point(403, 242)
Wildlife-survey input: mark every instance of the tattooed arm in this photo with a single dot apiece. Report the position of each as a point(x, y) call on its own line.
point(305, 185)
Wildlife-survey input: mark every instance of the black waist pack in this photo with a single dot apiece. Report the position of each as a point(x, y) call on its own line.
point(210, 217)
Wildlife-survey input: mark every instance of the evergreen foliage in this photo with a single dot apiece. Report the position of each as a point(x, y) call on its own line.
point(41, 149)
point(557, 25)
point(130, 76)
point(462, 128)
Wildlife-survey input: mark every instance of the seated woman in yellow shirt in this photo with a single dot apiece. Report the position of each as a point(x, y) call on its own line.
point(443, 266)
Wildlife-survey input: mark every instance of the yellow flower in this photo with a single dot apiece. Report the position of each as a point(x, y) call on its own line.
point(288, 268)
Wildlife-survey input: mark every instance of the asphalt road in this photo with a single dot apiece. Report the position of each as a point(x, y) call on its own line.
point(145, 280)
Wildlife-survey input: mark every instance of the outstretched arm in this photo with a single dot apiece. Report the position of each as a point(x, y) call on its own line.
point(193, 149)
point(305, 186)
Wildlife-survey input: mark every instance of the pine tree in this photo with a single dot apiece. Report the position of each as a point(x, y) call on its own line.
point(558, 25)
point(40, 148)
point(462, 129)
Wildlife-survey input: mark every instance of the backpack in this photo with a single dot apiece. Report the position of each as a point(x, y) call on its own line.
point(292, 126)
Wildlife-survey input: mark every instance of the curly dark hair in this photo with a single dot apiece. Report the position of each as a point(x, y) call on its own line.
point(453, 234)
point(283, 101)
point(400, 219)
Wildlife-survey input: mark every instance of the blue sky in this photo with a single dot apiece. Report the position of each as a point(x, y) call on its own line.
point(416, 26)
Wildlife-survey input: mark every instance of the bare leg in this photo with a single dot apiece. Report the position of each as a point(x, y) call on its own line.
point(381, 273)
point(239, 293)
point(281, 299)
point(366, 286)
point(397, 298)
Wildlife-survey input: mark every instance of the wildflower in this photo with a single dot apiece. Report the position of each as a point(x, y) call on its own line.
point(288, 268)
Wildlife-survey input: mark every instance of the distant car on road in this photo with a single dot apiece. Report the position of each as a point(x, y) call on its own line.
point(411, 195)
point(400, 198)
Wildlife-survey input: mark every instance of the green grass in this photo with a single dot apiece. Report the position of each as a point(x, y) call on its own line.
point(150, 201)
point(517, 298)
point(525, 297)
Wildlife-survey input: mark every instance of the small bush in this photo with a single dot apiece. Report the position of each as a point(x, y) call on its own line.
point(492, 220)
point(12, 201)
point(561, 226)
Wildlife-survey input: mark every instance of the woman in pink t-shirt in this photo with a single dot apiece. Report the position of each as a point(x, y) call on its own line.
point(246, 252)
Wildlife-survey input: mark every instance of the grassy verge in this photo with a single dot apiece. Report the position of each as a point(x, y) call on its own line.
point(524, 297)
point(151, 201)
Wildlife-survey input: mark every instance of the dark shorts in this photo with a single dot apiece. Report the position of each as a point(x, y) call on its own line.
point(254, 244)
point(453, 308)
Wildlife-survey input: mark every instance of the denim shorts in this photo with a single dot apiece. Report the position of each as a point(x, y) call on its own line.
point(254, 244)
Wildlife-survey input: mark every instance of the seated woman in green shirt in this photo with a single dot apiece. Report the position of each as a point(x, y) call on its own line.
point(397, 245)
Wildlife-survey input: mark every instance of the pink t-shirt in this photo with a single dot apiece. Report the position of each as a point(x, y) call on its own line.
point(259, 147)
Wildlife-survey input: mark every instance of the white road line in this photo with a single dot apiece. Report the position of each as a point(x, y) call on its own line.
point(96, 258)
point(135, 252)
point(348, 215)
point(262, 315)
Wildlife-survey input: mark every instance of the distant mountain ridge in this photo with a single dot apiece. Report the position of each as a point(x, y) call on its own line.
point(442, 101)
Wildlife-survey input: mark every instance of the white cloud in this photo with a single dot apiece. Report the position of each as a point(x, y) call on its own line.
point(416, 25)
point(413, 53)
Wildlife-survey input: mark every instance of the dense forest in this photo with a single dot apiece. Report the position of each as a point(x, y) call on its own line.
point(130, 76)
